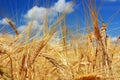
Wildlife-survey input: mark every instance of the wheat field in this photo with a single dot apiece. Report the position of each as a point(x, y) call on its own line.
point(73, 56)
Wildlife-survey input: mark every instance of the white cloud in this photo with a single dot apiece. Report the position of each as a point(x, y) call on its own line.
point(3, 21)
point(113, 39)
point(38, 14)
point(22, 28)
point(35, 26)
point(61, 5)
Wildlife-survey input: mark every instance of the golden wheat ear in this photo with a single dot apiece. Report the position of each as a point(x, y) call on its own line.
point(90, 77)
point(12, 25)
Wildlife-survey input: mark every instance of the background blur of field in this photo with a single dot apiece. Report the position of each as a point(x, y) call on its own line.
point(59, 53)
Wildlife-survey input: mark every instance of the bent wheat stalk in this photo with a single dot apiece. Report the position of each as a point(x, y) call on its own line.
point(12, 25)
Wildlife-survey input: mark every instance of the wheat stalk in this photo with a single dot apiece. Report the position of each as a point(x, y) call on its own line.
point(12, 25)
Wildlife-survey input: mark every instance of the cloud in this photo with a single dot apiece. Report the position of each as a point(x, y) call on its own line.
point(22, 28)
point(38, 14)
point(3, 21)
point(35, 26)
point(113, 39)
point(61, 5)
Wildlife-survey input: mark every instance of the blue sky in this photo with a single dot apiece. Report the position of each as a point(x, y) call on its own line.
point(20, 13)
